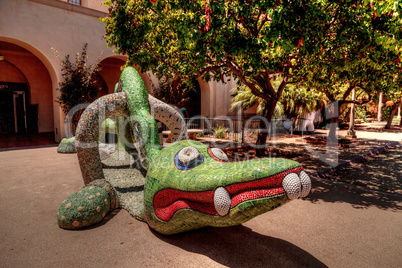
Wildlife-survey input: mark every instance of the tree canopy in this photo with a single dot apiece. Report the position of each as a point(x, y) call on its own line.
point(319, 42)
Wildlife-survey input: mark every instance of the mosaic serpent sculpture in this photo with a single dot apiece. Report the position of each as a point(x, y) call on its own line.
point(187, 185)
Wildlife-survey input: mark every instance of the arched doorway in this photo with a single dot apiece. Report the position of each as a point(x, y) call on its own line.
point(26, 99)
point(109, 70)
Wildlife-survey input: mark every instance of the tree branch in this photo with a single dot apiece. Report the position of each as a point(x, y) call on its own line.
point(347, 93)
point(282, 87)
point(238, 72)
point(364, 101)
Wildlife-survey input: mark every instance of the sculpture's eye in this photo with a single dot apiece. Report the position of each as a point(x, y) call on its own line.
point(188, 157)
point(218, 154)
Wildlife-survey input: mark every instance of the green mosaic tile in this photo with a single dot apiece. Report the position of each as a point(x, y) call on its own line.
point(178, 193)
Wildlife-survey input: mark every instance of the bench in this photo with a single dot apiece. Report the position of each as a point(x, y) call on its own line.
point(192, 134)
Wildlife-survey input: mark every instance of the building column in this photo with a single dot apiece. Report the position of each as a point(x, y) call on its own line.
point(351, 131)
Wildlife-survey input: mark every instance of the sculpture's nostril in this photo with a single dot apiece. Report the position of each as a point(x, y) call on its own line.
point(292, 186)
point(306, 184)
point(222, 201)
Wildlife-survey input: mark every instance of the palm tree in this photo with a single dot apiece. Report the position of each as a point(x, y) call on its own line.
point(242, 97)
point(294, 101)
point(297, 101)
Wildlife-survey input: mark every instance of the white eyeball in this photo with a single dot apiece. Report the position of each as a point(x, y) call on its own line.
point(189, 157)
point(218, 154)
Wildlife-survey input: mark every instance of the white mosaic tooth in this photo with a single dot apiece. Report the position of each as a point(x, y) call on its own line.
point(292, 186)
point(222, 201)
point(305, 183)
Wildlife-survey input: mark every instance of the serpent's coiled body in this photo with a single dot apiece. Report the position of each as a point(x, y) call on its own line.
point(187, 185)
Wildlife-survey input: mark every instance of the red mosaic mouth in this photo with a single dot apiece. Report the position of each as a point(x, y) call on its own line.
point(168, 201)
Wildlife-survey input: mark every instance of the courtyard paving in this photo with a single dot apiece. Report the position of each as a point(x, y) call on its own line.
point(339, 224)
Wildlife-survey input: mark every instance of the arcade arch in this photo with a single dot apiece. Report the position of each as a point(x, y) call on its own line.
point(110, 72)
point(26, 90)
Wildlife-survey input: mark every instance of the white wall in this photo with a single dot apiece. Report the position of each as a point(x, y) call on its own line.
point(216, 97)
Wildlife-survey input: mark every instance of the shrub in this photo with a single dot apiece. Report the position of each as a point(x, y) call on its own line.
point(220, 132)
point(79, 85)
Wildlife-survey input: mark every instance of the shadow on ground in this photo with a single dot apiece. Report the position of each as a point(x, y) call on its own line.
point(25, 141)
point(239, 246)
point(382, 172)
point(375, 182)
point(358, 197)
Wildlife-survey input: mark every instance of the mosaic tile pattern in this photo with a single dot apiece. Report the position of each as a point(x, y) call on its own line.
point(84, 208)
point(141, 120)
point(170, 117)
point(67, 146)
point(178, 200)
point(125, 139)
point(170, 189)
point(88, 132)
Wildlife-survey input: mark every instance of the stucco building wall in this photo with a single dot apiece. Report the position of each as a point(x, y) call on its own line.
point(216, 98)
point(37, 26)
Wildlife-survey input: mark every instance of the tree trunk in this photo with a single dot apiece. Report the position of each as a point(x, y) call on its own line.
point(391, 116)
point(380, 104)
point(399, 115)
point(347, 116)
point(333, 115)
point(351, 131)
point(332, 129)
point(342, 111)
point(263, 133)
point(294, 119)
point(261, 141)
